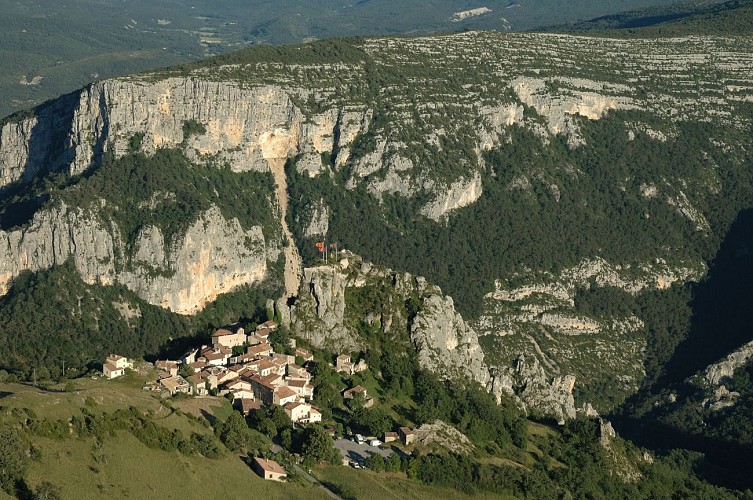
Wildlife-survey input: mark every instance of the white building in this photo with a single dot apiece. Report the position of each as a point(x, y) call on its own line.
point(226, 338)
point(302, 413)
point(115, 366)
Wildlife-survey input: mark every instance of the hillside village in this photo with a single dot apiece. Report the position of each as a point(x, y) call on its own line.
point(245, 368)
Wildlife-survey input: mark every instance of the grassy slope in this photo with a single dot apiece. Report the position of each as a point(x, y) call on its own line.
point(349, 483)
point(70, 465)
point(53, 402)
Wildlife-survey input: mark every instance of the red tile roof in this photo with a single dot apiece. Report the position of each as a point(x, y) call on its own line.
point(269, 465)
point(221, 333)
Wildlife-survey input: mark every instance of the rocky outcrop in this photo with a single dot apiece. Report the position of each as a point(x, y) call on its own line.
point(713, 379)
point(443, 340)
point(460, 194)
point(316, 220)
point(318, 313)
point(445, 343)
point(622, 465)
point(538, 317)
point(716, 374)
point(439, 434)
point(720, 398)
point(630, 278)
point(213, 256)
point(534, 389)
point(560, 109)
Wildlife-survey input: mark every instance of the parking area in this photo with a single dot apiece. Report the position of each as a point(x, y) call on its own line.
point(355, 452)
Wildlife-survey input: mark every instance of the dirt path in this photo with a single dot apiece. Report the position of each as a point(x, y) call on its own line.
point(293, 265)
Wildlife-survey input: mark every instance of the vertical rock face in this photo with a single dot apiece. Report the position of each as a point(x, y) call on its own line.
point(214, 256)
point(319, 311)
point(718, 372)
point(458, 195)
point(241, 127)
point(38, 143)
point(214, 123)
point(52, 238)
point(533, 388)
point(445, 343)
point(317, 220)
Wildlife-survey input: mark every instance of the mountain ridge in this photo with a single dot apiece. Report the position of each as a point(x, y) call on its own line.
point(426, 141)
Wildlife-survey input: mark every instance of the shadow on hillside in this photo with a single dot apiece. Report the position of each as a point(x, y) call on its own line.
point(339, 490)
point(722, 321)
point(209, 416)
point(724, 463)
point(49, 150)
point(722, 306)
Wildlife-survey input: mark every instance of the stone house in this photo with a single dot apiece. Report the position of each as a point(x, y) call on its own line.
point(176, 384)
point(268, 469)
point(302, 413)
point(115, 366)
point(226, 338)
point(283, 395)
point(407, 435)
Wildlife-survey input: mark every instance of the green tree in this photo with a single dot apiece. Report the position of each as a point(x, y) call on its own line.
point(280, 340)
point(318, 447)
point(393, 463)
point(278, 416)
point(13, 459)
point(356, 403)
point(377, 421)
point(375, 462)
point(327, 387)
point(286, 438)
point(234, 432)
point(47, 491)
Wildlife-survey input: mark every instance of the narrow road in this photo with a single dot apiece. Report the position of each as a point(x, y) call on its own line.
point(293, 264)
point(277, 448)
point(314, 480)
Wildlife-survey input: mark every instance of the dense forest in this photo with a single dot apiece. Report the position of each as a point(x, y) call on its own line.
point(593, 212)
point(52, 318)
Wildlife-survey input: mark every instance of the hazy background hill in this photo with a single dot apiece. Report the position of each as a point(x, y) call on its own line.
point(50, 48)
point(683, 18)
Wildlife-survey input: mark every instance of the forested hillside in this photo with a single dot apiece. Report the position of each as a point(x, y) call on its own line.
point(564, 217)
point(733, 17)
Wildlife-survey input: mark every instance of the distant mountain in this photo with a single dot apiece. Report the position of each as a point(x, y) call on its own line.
point(734, 17)
point(50, 48)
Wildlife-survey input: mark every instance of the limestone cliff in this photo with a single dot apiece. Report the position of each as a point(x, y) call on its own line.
point(534, 389)
point(716, 373)
point(214, 255)
point(328, 309)
point(413, 123)
point(445, 342)
point(243, 128)
point(543, 346)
